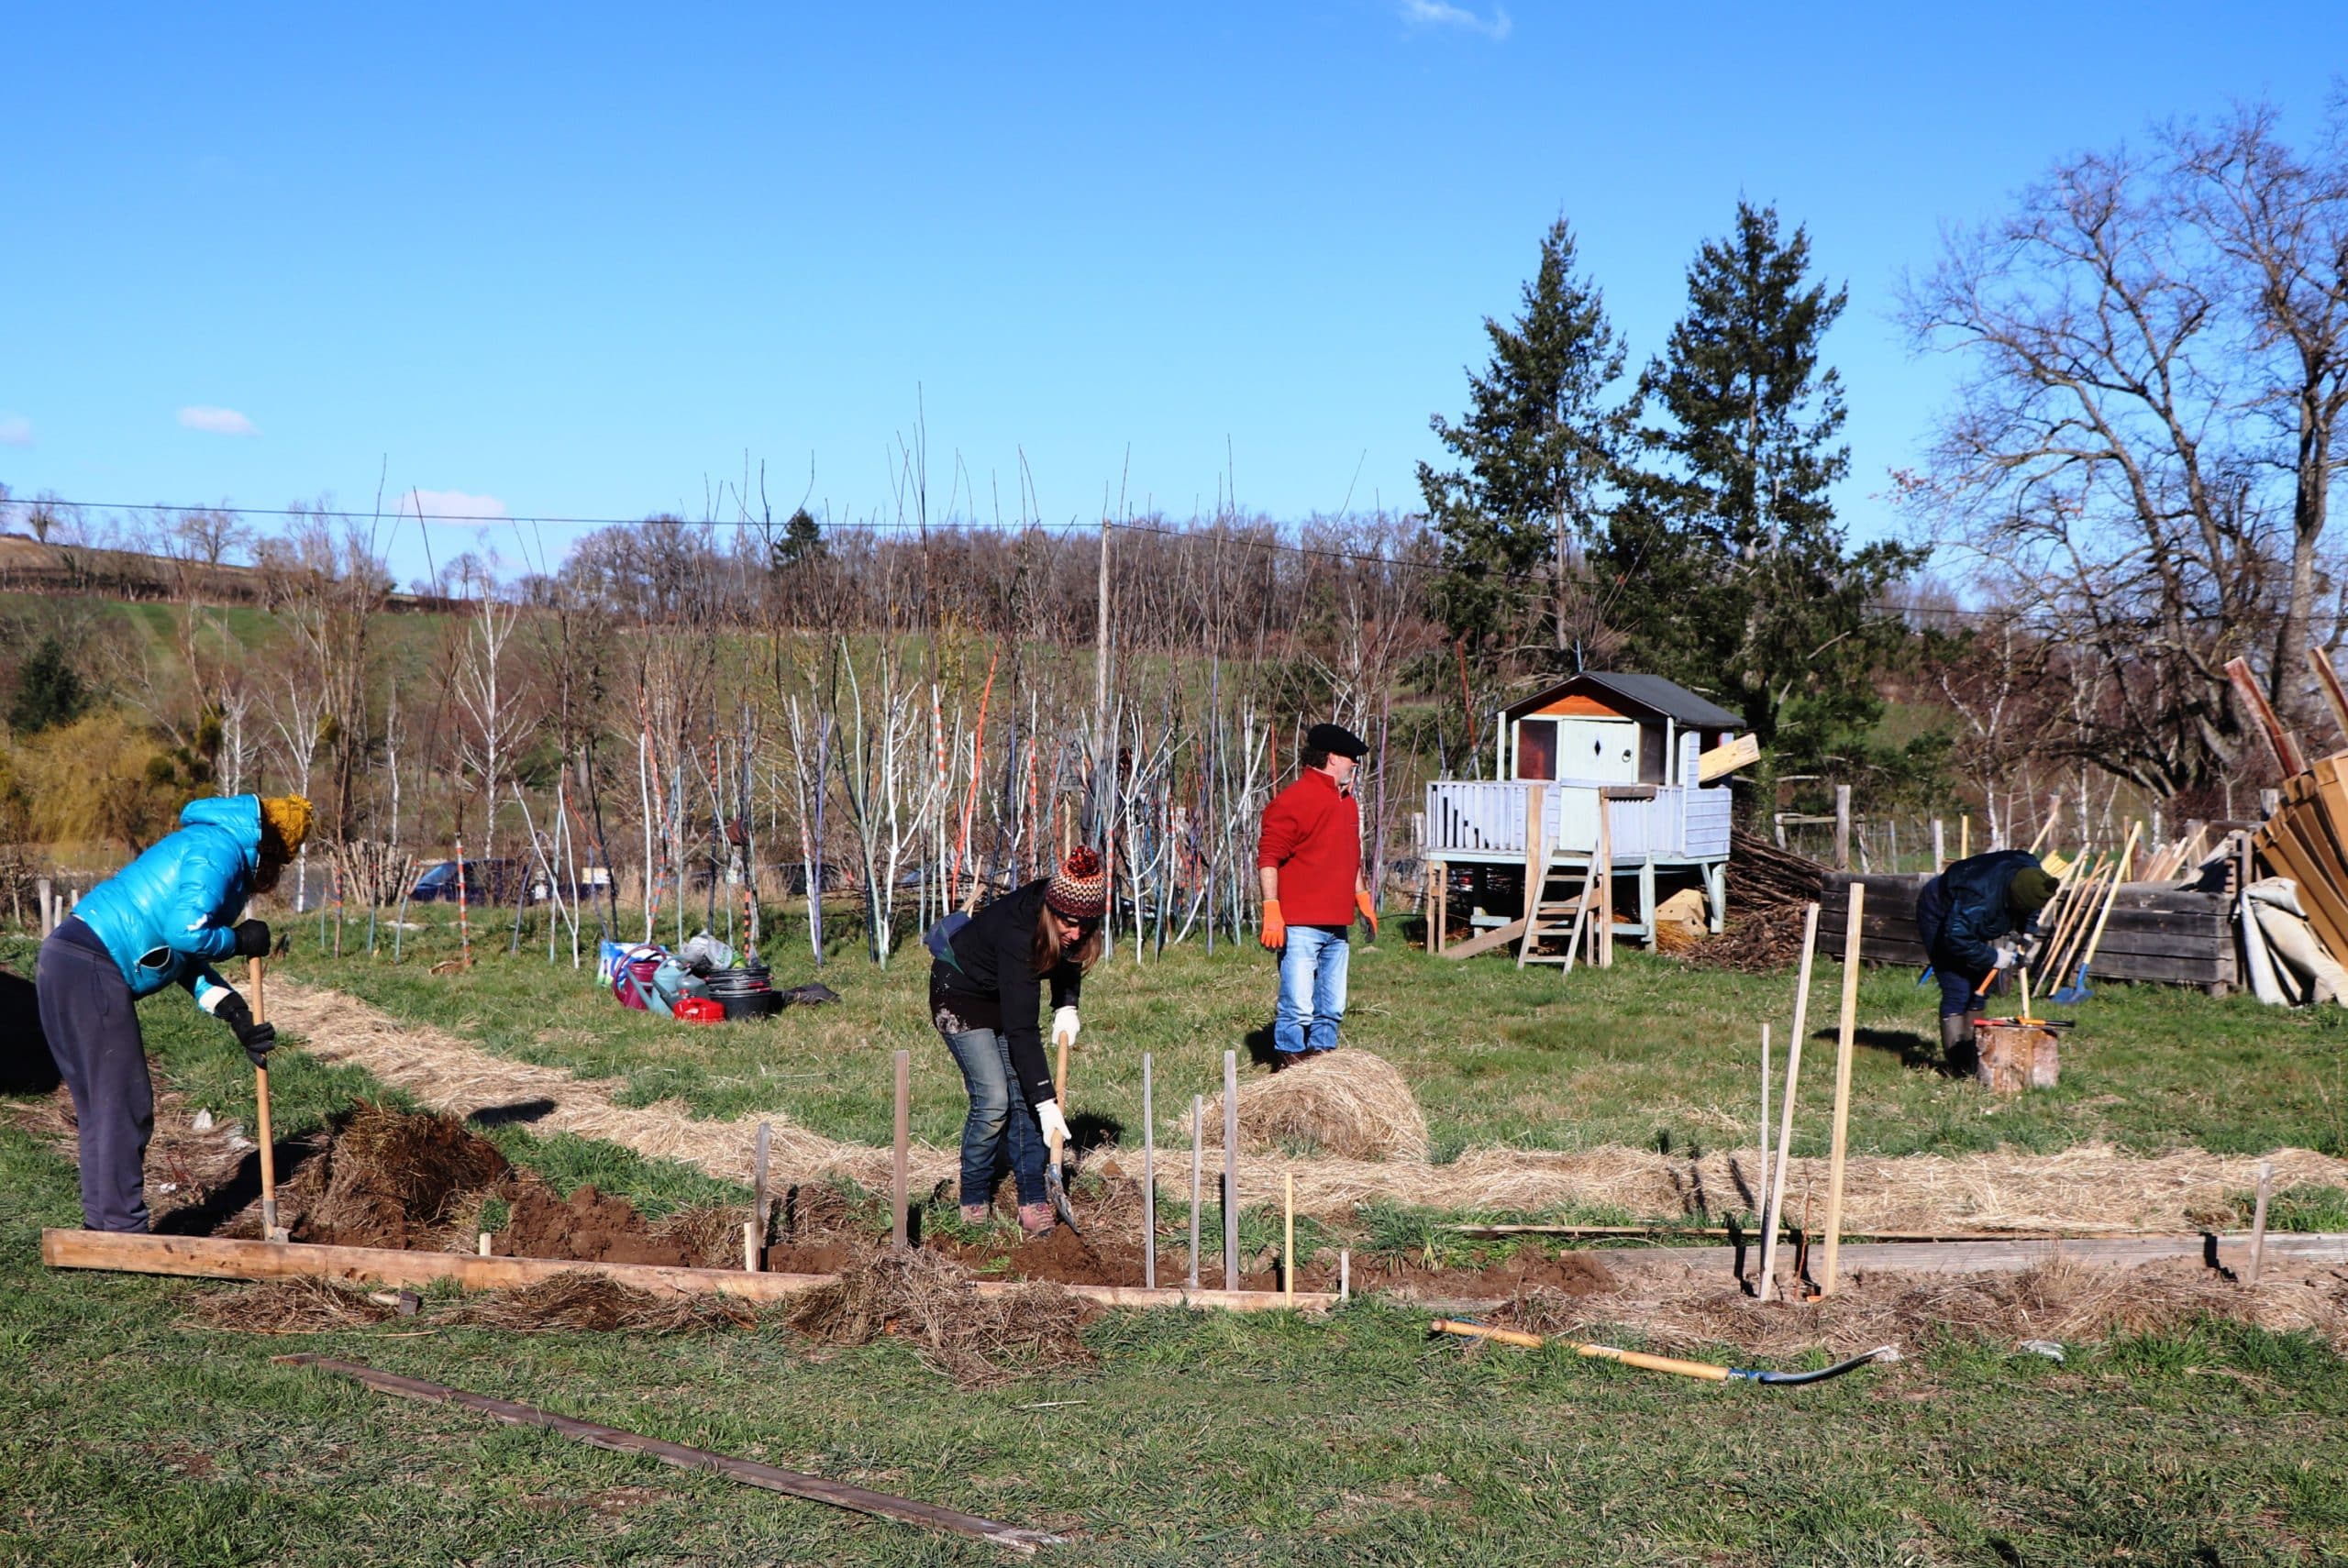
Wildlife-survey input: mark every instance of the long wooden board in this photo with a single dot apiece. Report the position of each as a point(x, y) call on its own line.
point(792, 1483)
point(219, 1257)
point(1499, 936)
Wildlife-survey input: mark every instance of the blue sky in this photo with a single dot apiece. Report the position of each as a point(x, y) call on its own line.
point(581, 260)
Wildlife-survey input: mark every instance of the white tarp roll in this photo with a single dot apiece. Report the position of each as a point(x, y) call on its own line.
point(2300, 963)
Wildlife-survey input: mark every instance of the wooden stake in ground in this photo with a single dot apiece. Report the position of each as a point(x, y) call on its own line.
point(2258, 1221)
point(814, 1488)
point(900, 1164)
point(1230, 1170)
point(1288, 1235)
point(1198, 1176)
point(1844, 1038)
point(1764, 1204)
point(1773, 1221)
point(761, 1203)
point(269, 1229)
point(1149, 1181)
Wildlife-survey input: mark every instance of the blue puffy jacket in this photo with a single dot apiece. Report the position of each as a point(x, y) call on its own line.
point(169, 915)
point(1973, 902)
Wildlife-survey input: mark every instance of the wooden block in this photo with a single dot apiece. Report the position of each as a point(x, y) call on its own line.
point(1727, 757)
point(2015, 1056)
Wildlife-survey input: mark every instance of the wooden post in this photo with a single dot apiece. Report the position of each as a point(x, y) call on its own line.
point(2258, 1221)
point(1773, 1221)
point(1440, 902)
point(1605, 882)
point(269, 1229)
point(1764, 1204)
point(1230, 1170)
point(1345, 1275)
point(1198, 1177)
point(1537, 861)
point(750, 1262)
point(1844, 1038)
point(900, 1164)
point(760, 1202)
point(47, 924)
point(1149, 1181)
point(1940, 847)
point(1842, 827)
point(480, 1244)
point(1964, 837)
point(1287, 1237)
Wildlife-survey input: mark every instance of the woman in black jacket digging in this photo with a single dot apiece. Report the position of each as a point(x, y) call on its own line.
point(985, 991)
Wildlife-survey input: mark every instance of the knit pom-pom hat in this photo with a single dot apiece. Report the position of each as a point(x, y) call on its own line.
point(1079, 888)
point(284, 823)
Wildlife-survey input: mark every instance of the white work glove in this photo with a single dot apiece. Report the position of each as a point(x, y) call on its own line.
point(1055, 1125)
point(1064, 1024)
point(2007, 954)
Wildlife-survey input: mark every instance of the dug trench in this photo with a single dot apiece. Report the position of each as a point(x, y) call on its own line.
point(377, 1177)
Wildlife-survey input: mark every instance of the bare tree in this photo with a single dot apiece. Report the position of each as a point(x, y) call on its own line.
point(486, 692)
point(2158, 361)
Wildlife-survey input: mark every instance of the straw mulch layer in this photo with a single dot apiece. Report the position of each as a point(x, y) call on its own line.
point(2060, 1300)
point(289, 1307)
point(2088, 1188)
point(1348, 1102)
point(594, 1303)
point(927, 1302)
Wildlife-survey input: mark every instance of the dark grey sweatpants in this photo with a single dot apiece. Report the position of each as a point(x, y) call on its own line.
point(92, 1028)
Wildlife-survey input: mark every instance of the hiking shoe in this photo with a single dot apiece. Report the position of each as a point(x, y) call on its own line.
point(1036, 1219)
point(977, 1214)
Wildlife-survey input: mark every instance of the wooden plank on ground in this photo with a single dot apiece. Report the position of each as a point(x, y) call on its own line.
point(220, 1257)
point(792, 1483)
point(2313, 1249)
point(1499, 936)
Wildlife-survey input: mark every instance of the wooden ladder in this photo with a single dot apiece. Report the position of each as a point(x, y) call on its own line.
point(1556, 917)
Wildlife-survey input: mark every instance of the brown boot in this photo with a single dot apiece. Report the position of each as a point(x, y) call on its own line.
point(1036, 1219)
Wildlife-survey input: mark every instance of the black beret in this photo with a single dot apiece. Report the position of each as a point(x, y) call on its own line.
point(1336, 739)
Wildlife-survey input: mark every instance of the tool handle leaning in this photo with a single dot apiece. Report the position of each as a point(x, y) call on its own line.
point(254, 976)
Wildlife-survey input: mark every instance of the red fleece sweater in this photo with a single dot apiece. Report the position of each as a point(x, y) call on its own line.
point(1312, 835)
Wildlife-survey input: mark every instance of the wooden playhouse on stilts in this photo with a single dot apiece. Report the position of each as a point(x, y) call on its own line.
point(1608, 790)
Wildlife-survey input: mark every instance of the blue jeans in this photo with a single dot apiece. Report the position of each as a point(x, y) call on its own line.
point(1313, 988)
point(1000, 1129)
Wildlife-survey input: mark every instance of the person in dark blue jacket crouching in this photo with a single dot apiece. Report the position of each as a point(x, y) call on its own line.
point(1969, 918)
point(165, 919)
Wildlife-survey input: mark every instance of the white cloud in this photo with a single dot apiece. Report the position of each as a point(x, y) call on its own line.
point(1441, 14)
point(16, 430)
point(453, 506)
point(218, 421)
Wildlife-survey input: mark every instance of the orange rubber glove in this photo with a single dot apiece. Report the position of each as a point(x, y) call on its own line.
point(1368, 913)
point(1274, 936)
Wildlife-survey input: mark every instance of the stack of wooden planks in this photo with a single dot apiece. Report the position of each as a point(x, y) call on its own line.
point(2306, 839)
point(2156, 932)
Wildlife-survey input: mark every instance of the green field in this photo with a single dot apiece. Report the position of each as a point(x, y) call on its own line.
point(1649, 1053)
point(128, 1433)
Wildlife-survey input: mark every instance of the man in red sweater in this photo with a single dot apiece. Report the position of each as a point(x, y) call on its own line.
point(1309, 863)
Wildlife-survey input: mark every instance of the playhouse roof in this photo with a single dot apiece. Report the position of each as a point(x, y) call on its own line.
point(1665, 699)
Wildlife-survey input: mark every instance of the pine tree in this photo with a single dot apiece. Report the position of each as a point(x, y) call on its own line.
point(1540, 447)
point(49, 691)
point(1726, 565)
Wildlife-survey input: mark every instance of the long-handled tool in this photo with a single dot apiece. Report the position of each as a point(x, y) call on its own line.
point(1704, 1370)
point(2076, 991)
point(269, 1229)
point(1055, 1184)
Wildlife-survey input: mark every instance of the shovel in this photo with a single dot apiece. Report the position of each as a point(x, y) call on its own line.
point(1053, 1184)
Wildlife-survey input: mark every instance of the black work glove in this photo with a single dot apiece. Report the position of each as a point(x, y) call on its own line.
point(252, 939)
point(256, 1038)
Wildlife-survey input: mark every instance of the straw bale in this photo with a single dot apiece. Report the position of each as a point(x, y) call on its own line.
point(1347, 1102)
point(925, 1299)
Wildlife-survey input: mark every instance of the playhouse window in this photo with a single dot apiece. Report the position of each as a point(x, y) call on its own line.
point(1536, 748)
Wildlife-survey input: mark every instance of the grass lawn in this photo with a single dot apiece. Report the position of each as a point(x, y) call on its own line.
point(1648, 1053)
point(128, 1434)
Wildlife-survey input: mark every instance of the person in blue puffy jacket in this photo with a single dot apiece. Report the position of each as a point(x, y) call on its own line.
point(164, 919)
point(1967, 917)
